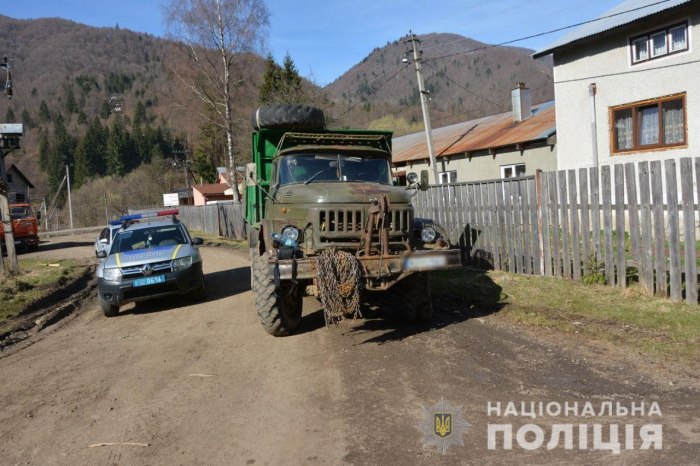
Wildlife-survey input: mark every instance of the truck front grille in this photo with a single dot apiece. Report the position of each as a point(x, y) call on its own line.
point(350, 222)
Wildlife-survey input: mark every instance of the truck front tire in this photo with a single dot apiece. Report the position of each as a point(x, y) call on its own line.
point(281, 315)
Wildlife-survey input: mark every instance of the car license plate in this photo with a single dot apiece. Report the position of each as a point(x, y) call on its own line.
point(426, 262)
point(149, 281)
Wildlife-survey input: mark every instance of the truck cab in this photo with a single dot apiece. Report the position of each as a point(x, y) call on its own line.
point(24, 227)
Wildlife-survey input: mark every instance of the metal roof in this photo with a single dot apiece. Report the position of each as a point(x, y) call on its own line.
point(612, 19)
point(490, 132)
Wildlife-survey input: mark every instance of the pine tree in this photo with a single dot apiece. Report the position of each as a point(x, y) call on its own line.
point(210, 150)
point(105, 111)
point(271, 81)
point(61, 153)
point(44, 149)
point(70, 103)
point(90, 154)
point(44, 114)
point(10, 116)
point(118, 148)
point(290, 75)
point(27, 120)
point(82, 118)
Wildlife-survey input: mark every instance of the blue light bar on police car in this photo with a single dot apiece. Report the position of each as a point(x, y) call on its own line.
point(134, 217)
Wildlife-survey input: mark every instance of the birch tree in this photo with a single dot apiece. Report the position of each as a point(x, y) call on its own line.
point(211, 40)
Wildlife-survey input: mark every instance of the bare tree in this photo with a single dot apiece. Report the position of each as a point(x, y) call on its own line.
point(212, 39)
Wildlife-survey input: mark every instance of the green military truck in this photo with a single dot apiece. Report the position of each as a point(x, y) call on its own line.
point(325, 219)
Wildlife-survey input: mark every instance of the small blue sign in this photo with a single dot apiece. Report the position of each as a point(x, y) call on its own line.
point(149, 281)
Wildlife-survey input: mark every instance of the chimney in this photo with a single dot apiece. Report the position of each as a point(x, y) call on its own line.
point(522, 107)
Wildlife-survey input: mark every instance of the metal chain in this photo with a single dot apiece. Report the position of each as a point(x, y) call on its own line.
point(339, 285)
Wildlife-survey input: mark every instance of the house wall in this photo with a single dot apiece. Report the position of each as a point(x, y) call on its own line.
point(484, 166)
point(606, 61)
point(17, 186)
point(198, 197)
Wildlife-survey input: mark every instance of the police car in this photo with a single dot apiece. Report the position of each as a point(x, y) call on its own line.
point(152, 255)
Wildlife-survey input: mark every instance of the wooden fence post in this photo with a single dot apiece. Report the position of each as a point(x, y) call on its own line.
point(607, 225)
point(691, 266)
point(540, 221)
point(554, 217)
point(566, 249)
point(575, 240)
point(585, 224)
point(674, 245)
point(657, 193)
point(647, 273)
point(620, 225)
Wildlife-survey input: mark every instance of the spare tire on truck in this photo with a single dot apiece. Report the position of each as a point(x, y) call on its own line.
point(288, 117)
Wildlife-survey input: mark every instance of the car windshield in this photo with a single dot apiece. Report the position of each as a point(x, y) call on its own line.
point(20, 212)
point(144, 238)
point(309, 168)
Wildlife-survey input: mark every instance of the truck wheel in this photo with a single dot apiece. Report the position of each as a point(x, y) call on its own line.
point(279, 315)
point(109, 310)
point(420, 301)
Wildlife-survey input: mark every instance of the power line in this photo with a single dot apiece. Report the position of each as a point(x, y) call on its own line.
point(373, 91)
point(552, 31)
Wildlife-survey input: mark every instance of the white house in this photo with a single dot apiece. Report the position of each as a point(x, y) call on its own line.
point(626, 86)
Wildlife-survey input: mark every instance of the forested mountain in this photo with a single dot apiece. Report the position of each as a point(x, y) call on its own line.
point(467, 85)
point(103, 100)
point(72, 80)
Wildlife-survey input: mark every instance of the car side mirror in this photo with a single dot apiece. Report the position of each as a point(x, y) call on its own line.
point(251, 178)
point(424, 182)
point(102, 255)
point(197, 241)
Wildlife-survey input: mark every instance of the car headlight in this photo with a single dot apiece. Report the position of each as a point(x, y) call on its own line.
point(290, 233)
point(428, 234)
point(112, 275)
point(412, 178)
point(182, 263)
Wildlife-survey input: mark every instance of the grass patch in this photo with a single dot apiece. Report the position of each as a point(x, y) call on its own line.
point(629, 317)
point(35, 281)
point(213, 239)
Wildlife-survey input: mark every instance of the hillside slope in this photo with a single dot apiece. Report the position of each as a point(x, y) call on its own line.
point(54, 58)
point(465, 86)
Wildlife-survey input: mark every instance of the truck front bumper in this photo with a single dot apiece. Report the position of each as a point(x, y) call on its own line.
point(375, 268)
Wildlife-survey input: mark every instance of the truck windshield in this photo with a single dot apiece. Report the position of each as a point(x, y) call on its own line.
point(310, 168)
point(17, 213)
point(144, 238)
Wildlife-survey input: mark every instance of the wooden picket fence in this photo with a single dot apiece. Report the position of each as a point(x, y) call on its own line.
point(620, 223)
point(223, 219)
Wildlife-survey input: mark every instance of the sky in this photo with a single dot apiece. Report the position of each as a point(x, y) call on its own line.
point(325, 38)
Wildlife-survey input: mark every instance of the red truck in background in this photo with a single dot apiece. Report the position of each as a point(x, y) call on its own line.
point(24, 227)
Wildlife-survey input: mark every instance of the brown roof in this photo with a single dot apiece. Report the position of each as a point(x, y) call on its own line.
point(212, 189)
point(490, 132)
point(10, 166)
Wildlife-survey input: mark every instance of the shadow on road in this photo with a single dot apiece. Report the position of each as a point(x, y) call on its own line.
point(51, 246)
point(220, 285)
point(457, 296)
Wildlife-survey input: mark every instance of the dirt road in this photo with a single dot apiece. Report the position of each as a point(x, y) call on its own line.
point(203, 384)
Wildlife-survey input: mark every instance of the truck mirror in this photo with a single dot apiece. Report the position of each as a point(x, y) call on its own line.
point(424, 183)
point(38, 215)
point(250, 174)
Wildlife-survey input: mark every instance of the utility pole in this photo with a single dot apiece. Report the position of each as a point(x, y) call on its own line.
point(106, 210)
point(13, 268)
point(418, 60)
point(70, 205)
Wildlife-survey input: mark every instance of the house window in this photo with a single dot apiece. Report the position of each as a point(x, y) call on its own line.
point(19, 198)
point(513, 171)
point(9, 178)
point(653, 124)
point(673, 39)
point(448, 177)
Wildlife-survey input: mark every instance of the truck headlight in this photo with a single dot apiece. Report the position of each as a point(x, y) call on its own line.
point(290, 233)
point(428, 234)
point(112, 275)
point(182, 263)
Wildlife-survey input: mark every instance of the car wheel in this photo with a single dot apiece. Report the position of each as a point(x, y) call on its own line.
point(109, 310)
point(279, 310)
